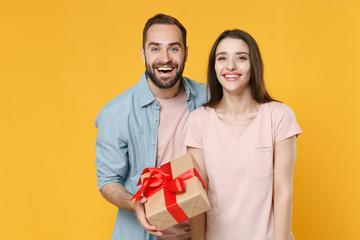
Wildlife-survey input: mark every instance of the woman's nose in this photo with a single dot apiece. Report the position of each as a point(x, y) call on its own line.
point(231, 65)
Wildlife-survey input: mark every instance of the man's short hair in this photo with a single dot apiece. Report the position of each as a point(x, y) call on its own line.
point(164, 19)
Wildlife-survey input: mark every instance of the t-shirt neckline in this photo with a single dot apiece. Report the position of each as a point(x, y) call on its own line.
point(174, 99)
point(235, 125)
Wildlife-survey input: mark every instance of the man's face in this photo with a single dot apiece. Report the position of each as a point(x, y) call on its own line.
point(164, 55)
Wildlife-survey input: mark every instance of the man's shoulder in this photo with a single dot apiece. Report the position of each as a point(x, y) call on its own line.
point(120, 106)
point(196, 85)
point(128, 97)
point(122, 100)
point(197, 89)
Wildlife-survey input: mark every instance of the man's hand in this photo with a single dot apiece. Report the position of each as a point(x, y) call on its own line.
point(139, 209)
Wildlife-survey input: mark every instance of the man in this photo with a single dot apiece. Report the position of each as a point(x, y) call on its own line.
point(145, 127)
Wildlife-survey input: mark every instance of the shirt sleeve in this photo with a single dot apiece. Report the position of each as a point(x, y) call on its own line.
point(285, 124)
point(194, 133)
point(111, 150)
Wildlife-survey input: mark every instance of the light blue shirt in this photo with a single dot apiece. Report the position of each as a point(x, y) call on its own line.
point(126, 144)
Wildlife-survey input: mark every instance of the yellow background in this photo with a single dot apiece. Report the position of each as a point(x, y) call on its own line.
point(62, 60)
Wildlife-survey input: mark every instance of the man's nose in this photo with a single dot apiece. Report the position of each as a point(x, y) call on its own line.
point(165, 56)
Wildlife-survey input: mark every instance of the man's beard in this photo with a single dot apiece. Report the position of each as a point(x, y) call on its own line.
point(166, 82)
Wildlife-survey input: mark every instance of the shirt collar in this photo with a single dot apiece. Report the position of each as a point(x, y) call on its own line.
point(145, 95)
point(188, 89)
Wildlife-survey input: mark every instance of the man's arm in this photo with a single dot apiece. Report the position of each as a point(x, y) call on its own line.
point(117, 194)
point(284, 163)
point(110, 146)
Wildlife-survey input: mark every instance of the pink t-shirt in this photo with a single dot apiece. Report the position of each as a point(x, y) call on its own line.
point(174, 114)
point(239, 165)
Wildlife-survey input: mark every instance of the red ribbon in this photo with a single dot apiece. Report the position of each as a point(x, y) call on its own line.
point(161, 178)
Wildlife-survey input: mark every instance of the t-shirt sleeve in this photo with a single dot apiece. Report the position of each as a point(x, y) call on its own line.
point(194, 132)
point(285, 124)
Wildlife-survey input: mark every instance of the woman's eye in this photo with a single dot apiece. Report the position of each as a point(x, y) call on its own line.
point(221, 58)
point(242, 58)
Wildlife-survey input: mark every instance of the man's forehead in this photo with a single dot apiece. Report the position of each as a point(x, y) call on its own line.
point(164, 34)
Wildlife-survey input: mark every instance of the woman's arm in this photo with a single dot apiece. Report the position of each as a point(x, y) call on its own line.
point(197, 223)
point(284, 162)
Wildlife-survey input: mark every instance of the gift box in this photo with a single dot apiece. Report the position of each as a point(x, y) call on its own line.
point(175, 192)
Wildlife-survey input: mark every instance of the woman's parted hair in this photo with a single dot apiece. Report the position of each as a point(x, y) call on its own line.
point(257, 84)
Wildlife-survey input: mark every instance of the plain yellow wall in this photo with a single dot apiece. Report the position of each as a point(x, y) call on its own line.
point(62, 60)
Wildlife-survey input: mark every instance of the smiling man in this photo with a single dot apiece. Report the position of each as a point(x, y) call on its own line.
point(145, 127)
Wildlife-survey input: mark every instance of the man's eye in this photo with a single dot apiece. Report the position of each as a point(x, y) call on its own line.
point(174, 49)
point(155, 49)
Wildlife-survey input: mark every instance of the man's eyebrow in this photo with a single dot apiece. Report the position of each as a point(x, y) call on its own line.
point(154, 43)
point(158, 44)
point(238, 53)
point(175, 43)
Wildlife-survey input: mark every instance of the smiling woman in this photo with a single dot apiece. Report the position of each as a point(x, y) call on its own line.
point(232, 64)
point(248, 138)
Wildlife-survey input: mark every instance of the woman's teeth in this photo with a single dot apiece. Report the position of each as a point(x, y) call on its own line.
point(231, 76)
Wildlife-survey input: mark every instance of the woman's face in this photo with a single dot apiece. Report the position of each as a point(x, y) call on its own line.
point(232, 64)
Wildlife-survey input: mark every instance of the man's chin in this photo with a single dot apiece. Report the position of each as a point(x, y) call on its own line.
point(163, 78)
point(162, 81)
point(166, 84)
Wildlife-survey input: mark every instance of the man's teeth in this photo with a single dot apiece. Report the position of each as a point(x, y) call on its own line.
point(164, 69)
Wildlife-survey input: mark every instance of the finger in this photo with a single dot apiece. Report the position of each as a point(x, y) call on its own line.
point(143, 221)
point(143, 200)
point(140, 213)
point(156, 233)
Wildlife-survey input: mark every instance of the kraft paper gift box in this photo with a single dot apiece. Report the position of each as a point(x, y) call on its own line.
point(175, 192)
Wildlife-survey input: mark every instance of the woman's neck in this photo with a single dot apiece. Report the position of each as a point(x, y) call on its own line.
point(237, 107)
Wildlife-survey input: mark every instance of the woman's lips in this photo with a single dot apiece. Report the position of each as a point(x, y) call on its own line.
point(232, 76)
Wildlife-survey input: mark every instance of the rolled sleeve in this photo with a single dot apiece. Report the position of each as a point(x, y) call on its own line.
point(111, 150)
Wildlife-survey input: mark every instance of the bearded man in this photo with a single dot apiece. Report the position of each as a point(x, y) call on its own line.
point(145, 127)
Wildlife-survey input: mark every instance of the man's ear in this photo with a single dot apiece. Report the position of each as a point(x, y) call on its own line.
point(142, 51)
point(186, 53)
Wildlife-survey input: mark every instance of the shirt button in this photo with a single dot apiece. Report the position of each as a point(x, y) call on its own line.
point(155, 119)
point(156, 104)
point(153, 144)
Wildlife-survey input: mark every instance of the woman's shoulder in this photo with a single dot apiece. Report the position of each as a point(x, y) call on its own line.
point(279, 113)
point(201, 112)
point(275, 107)
point(283, 120)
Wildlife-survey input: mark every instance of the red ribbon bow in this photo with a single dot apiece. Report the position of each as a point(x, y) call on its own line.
point(161, 178)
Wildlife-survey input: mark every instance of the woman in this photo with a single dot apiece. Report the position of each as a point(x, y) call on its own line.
point(245, 143)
